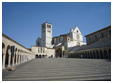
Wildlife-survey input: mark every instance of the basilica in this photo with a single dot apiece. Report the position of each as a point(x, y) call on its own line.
point(57, 46)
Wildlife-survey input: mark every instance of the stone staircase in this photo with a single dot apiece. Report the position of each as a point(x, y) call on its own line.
point(62, 69)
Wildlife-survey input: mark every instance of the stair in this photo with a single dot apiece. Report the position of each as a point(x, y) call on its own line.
point(62, 69)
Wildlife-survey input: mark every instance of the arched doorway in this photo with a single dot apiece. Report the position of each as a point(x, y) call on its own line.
point(36, 56)
point(58, 52)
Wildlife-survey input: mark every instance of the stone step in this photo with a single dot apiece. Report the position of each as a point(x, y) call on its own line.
point(86, 77)
point(62, 70)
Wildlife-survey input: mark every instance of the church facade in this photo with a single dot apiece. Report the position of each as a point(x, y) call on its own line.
point(60, 44)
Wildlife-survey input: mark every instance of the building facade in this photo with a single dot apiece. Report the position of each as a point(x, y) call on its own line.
point(98, 45)
point(66, 42)
point(43, 52)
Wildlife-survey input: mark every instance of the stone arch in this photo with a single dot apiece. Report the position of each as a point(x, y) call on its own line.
point(3, 48)
point(105, 54)
point(59, 52)
point(97, 54)
point(36, 56)
point(39, 56)
point(7, 59)
point(42, 56)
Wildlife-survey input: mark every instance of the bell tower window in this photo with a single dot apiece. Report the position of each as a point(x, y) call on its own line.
point(49, 26)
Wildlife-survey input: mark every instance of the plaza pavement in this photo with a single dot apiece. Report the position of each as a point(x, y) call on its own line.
point(60, 69)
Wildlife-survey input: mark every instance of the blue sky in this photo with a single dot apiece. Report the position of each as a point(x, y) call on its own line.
point(22, 21)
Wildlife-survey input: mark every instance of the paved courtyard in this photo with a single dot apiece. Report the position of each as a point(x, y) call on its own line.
point(60, 69)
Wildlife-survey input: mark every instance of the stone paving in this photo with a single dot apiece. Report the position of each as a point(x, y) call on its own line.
point(61, 69)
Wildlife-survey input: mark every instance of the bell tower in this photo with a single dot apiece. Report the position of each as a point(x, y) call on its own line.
point(46, 34)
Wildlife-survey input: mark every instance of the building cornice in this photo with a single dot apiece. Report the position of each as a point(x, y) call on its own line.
point(3, 35)
point(99, 30)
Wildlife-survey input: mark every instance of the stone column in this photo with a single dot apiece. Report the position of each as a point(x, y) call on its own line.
point(13, 59)
point(99, 54)
point(19, 59)
point(95, 54)
point(9, 59)
point(3, 64)
point(16, 57)
point(23, 58)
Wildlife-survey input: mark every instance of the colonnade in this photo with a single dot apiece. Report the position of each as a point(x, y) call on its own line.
point(40, 56)
point(20, 56)
point(102, 53)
